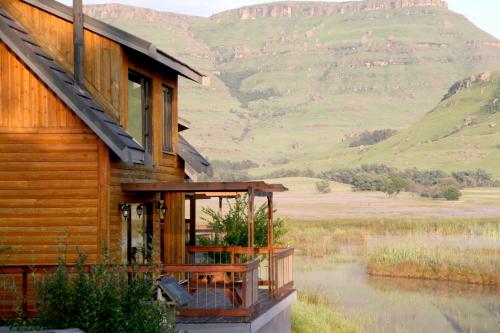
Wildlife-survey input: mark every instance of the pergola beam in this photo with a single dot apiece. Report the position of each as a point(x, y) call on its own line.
point(258, 187)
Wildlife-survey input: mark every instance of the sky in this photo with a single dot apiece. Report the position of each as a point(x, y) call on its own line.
point(483, 13)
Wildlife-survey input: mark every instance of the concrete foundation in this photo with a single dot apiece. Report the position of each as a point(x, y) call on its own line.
point(277, 319)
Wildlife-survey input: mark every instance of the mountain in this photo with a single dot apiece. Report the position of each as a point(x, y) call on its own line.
point(291, 79)
point(460, 133)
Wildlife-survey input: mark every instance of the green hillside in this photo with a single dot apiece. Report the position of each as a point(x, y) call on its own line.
point(461, 133)
point(291, 79)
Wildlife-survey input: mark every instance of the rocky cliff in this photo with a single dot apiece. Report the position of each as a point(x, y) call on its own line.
point(300, 9)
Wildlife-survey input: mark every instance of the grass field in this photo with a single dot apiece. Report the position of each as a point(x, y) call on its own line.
point(303, 202)
point(397, 238)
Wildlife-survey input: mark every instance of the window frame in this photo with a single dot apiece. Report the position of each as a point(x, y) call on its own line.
point(146, 108)
point(165, 119)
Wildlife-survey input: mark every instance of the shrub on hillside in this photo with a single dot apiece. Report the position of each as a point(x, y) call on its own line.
point(370, 138)
point(323, 186)
point(474, 178)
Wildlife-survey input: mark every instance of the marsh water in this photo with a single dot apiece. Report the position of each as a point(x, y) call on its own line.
point(383, 304)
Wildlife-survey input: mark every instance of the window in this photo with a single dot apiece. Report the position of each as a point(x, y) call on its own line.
point(139, 109)
point(168, 120)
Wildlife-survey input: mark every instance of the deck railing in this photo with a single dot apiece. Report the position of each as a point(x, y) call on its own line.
point(222, 280)
point(219, 289)
point(282, 271)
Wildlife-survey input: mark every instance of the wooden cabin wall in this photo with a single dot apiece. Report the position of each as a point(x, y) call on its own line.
point(167, 168)
point(106, 65)
point(101, 59)
point(51, 191)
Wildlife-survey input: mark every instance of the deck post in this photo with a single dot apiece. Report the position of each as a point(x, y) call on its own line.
point(251, 238)
point(192, 219)
point(270, 242)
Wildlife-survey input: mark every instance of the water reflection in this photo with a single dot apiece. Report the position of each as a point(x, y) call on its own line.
point(383, 304)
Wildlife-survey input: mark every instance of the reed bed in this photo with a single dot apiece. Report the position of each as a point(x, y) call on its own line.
point(478, 266)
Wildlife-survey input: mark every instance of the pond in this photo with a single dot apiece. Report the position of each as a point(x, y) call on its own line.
point(382, 304)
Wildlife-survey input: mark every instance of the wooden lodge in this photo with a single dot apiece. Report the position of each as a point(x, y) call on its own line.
point(91, 159)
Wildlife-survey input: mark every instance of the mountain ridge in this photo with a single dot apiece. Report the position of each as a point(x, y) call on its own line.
point(294, 87)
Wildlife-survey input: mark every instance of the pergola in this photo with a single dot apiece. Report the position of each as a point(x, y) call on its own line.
point(206, 190)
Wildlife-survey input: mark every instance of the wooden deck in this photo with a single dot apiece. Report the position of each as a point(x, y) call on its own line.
point(264, 303)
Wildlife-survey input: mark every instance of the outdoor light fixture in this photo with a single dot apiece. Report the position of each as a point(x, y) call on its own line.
point(124, 208)
point(162, 208)
point(140, 209)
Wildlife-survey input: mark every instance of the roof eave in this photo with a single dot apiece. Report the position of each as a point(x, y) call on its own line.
point(122, 37)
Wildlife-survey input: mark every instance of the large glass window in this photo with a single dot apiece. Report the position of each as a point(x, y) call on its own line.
point(168, 120)
point(139, 109)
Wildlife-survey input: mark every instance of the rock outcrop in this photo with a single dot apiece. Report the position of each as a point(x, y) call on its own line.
point(298, 9)
point(467, 83)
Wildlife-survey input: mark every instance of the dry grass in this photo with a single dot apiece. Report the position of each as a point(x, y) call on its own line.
point(478, 266)
point(313, 313)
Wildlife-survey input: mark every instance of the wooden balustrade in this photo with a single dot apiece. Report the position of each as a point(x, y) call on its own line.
point(220, 289)
point(282, 272)
point(222, 280)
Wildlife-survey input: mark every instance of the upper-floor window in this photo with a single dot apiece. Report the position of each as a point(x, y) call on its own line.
point(139, 109)
point(168, 120)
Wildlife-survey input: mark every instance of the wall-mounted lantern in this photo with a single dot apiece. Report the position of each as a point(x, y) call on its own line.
point(140, 209)
point(163, 209)
point(124, 209)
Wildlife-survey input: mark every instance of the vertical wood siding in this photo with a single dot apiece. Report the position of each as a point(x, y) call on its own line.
point(49, 179)
point(101, 59)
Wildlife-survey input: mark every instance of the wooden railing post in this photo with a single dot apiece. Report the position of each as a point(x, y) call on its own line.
point(25, 292)
point(270, 240)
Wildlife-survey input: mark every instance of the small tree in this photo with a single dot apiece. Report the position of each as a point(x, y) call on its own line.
point(393, 185)
point(451, 193)
point(323, 186)
point(231, 229)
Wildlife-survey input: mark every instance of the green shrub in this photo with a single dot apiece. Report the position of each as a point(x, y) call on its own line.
point(3, 253)
point(451, 193)
point(231, 229)
point(102, 299)
point(323, 186)
point(393, 185)
point(370, 138)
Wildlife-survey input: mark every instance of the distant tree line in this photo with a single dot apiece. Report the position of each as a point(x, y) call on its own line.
point(369, 177)
point(380, 177)
point(370, 138)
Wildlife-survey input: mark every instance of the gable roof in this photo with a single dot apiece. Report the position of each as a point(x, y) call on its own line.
point(64, 86)
point(121, 37)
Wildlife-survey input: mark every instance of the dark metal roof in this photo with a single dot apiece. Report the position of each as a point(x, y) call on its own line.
point(64, 86)
point(191, 156)
point(121, 37)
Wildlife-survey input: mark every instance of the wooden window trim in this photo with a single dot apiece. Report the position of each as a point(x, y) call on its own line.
point(147, 108)
point(168, 150)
